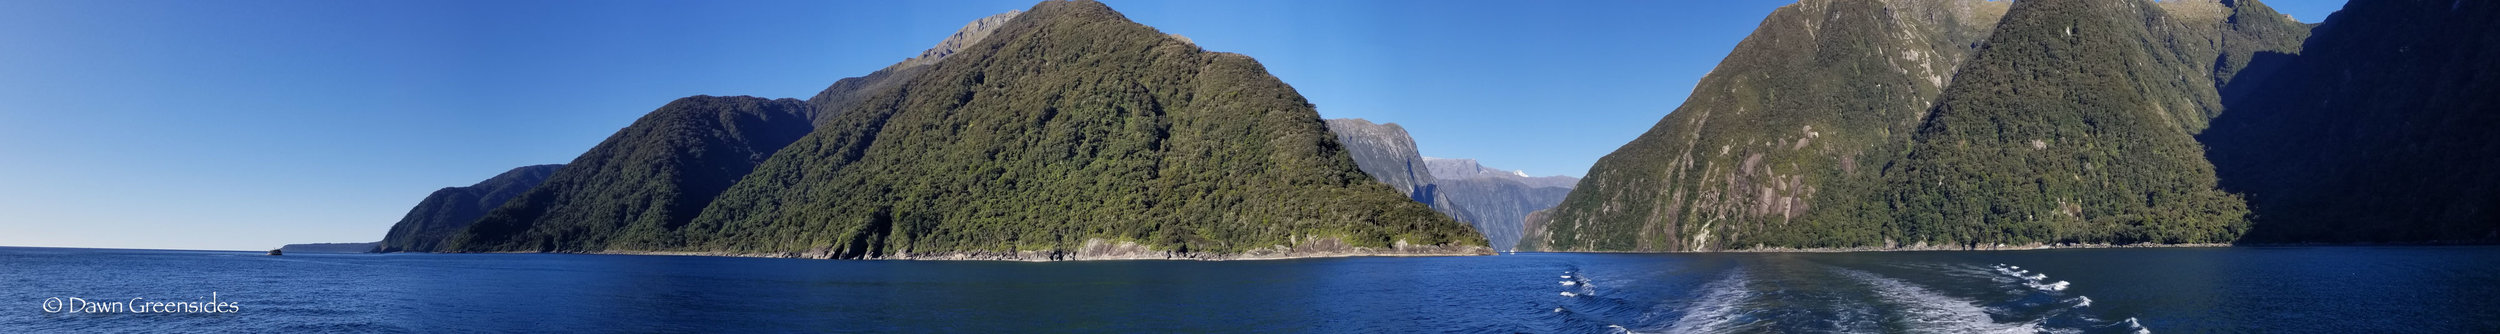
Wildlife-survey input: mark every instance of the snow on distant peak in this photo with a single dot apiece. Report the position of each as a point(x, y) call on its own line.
point(1520, 173)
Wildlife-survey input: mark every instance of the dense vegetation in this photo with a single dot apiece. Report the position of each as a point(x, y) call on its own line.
point(1835, 125)
point(449, 210)
point(1782, 143)
point(2379, 131)
point(653, 175)
point(2071, 125)
point(1067, 124)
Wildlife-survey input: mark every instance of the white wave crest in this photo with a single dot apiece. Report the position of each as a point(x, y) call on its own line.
point(2137, 326)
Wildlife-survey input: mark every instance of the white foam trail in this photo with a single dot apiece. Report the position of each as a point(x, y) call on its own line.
point(1929, 312)
point(2036, 277)
point(2081, 301)
point(1715, 310)
point(1618, 329)
point(1569, 283)
point(1569, 294)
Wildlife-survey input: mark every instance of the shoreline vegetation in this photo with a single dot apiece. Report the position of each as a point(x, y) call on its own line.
point(1101, 250)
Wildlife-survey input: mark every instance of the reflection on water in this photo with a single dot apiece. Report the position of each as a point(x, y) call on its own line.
point(2319, 289)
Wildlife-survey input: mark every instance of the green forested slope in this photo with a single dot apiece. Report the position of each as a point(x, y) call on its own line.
point(653, 175)
point(448, 211)
point(1782, 143)
point(1796, 140)
point(2074, 123)
point(2380, 130)
point(1069, 123)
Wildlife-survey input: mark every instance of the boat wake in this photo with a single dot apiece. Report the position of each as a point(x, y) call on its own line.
point(1925, 311)
point(1806, 296)
point(1718, 308)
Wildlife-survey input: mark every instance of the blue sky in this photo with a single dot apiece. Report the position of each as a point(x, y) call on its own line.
point(249, 124)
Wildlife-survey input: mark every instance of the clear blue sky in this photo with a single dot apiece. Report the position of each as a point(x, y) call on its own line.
point(249, 124)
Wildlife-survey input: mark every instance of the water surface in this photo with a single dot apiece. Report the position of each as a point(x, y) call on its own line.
point(2313, 289)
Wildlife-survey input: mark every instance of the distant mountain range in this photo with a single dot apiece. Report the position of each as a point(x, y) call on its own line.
point(1060, 132)
point(1457, 169)
point(1494, 201)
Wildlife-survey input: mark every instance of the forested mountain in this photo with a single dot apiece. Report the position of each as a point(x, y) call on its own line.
point(2075, 124)
point(1848, 123)
point(655, 174)
point(451, 209)
point(1788, 134)
point(2380, 130)
point(1066, 132)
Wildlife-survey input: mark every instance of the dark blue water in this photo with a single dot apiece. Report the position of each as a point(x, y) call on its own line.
point(2324, 289)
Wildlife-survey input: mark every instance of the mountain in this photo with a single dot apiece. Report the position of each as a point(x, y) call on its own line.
point(655, 174)
point(449, 210)
point(1937, 123)
point(1065, 132)
point(1784, 141)
point(1387, 153)
point(2075, 124)
point(1491, 200)
point(1498, 205)
point(1451, 168)
point(2377, 131)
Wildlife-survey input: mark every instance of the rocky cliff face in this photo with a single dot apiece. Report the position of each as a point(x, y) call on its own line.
point(1387, 153)
point(2379, 130)
point(449, 210)
point(1499, 206)
point(963, 38)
